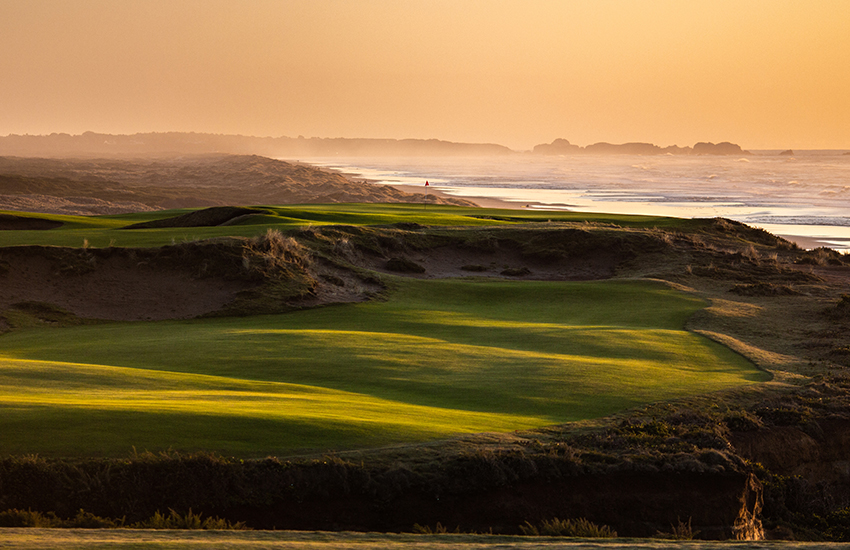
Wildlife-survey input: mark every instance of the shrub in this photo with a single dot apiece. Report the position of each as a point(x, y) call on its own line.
point(763, 289)
point(555, 527)
point(190, 520)
point(783, 416)
point(403, 265)
point(438, 529)
point(516, 271)
point(83, 520)
point(28, 518)
point(742, 421)
point(682, 531)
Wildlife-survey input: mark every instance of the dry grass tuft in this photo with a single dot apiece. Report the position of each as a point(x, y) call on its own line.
point(581, 528)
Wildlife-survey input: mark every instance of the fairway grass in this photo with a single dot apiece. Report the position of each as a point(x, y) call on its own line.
point(438, 358)
point(103, 231)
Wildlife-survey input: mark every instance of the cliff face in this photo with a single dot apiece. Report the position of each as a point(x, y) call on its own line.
point(818, 452)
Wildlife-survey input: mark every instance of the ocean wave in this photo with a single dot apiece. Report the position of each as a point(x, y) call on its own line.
point(801, 220)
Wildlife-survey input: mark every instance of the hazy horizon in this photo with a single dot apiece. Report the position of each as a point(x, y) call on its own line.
point(759, 73)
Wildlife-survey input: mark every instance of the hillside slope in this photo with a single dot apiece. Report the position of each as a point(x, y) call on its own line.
point(113, 186)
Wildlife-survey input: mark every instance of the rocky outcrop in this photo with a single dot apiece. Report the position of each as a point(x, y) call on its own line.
point(724, 148)
point(787, 153)
point(558, 147)
point(564, 147)
point(623, 149)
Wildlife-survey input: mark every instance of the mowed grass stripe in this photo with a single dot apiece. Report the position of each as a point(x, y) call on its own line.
point(510, 354)
point(103, 231)
point(64, 408)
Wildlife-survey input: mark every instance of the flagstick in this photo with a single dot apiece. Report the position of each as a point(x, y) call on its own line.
point(425, 202)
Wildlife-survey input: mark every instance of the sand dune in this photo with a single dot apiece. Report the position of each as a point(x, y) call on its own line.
point(113, 186)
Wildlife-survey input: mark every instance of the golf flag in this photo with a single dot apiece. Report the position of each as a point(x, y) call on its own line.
point(426, 183)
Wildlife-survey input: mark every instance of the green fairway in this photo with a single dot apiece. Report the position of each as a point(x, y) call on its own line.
point(435, 359)
point(102, 231)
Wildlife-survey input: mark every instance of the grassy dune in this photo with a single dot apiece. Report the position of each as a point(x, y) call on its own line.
point(102, 231)
point(435, 359)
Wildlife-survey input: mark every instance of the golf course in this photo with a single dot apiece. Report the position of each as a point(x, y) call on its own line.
point(375, 366)
point(429, 359)
point(436, 358)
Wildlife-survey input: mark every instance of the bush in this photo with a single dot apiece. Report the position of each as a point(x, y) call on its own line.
point(580, 527)
point(516, 272)
point(742, 421)
point(783, 416)
point(403, 265)
point(28, 518)
point(188, 521)
point(83, 520)
point(438, 529)
point(682, 531)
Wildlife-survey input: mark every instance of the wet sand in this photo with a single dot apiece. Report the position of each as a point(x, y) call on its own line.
point(484, 202)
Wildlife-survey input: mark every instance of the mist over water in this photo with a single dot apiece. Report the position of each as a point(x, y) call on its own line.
point(806, 195)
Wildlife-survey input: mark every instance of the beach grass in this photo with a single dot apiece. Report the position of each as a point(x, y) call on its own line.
point(436, 358)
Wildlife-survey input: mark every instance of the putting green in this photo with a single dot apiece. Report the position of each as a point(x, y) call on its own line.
point(437, 358)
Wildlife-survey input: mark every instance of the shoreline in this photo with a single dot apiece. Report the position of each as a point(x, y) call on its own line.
point(482, 202)
point(803, 241)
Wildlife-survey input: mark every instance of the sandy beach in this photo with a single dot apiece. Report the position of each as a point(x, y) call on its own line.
point(483, 202)
point(805, 242)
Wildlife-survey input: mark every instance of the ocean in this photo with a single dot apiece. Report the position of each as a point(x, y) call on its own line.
point(804, 197)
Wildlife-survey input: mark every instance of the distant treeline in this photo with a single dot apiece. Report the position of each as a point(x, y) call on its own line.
point(181, 143)
point(91, 144)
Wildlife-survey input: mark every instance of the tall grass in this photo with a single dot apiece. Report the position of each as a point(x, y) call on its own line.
point(581, 528)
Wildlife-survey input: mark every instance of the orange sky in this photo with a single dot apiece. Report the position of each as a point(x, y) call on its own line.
point(761, 73)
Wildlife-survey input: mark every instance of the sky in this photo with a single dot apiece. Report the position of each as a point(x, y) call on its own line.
point(766, 74)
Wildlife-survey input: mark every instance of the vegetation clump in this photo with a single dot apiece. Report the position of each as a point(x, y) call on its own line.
point(841, 310)
point(823, 257)
point(680, 531)
point(189, 520)
point(579, 528)
point(516, 272)
point(764, 289)
point(404, 265)
point(86, 520)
